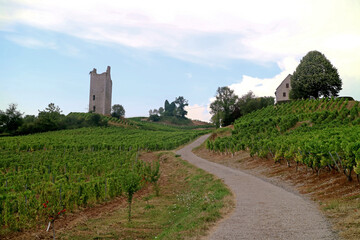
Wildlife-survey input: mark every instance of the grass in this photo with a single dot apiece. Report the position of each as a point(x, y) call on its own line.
point(190, 202)
point(345, 214)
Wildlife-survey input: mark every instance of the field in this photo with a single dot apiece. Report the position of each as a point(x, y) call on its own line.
point(43, 174)
point(319, 134)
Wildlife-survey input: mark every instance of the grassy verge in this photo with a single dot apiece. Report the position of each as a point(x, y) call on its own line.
point(190, 202)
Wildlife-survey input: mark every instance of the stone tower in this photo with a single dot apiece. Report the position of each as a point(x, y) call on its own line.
point(100, 92)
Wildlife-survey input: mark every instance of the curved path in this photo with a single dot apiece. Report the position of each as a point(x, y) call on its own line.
point(263, 210)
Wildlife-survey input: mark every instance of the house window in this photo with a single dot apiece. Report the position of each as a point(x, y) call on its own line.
point(93, 97)
point(287, 86)
point(93, 108)
point(284, 94)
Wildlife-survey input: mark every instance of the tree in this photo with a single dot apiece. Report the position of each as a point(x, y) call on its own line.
point(315, 76)
point(166, 108)
point(131, 183)
point(117, 111)
point(154, 115)
point(51, 119)
point(153, 175)
point(3, 119)
point(181, 103)
point(161, 111)
point(170, 108)
point(249, 103)
point(223, 106)
point(11, 119)
point(155, 112)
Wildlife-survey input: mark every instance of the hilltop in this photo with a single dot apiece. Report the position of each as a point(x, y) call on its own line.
point(174, 122)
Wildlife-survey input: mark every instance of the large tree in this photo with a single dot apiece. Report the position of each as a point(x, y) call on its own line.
point(117, 111)
point(50, 118)
point(223, 106)
point(315, 76)
point(170, 108)
point(181, 103)
point(11, 119)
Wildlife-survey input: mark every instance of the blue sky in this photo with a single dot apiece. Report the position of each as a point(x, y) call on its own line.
point(159, 50)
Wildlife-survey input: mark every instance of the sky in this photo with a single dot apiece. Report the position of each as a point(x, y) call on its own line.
point(160, 49)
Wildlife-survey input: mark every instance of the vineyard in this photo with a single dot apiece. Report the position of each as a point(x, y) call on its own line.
point(318, 134)
point(43, 174)
point(87, 116)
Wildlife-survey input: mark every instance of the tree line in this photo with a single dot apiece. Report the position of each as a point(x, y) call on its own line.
point(227, 106)
point(174, 109)
point(12, 121)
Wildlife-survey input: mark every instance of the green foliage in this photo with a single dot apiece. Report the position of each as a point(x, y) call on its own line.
point(308, 132)
point(152, 175)
point(228, 107)
point(223, 106)
point(170, 109)
point(10, 120)
point(154, 118)
point(117, 111)
point(181, 103)
point(249, 103)
point(75, 168)
point(130, 184)
point(173, 109)
point(315, 76)
point(49, 119)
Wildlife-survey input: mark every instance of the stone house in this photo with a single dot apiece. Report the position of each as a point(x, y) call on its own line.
point(283, 90)
point(100, 92)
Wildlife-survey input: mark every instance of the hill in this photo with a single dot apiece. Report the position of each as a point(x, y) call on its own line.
point(182, 123)
point(316, 133)
point(164, 123)
point(74, 168)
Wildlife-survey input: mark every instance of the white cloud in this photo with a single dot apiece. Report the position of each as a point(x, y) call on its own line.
point(266, 86)
point(259, 86)
point(198, 112)
point(208, 31)
point(31, 42)
point(258, 29)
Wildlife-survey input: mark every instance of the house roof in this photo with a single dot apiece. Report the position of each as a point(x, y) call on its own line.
point(283, 81)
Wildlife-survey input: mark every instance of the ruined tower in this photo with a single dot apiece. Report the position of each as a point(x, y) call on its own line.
point(100, 92)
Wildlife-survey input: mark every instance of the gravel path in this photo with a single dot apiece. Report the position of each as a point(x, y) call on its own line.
point(263, 210)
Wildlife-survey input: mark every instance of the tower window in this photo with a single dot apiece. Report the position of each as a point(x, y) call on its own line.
point(93, 97)
point(284, 94)
point(93, 108)
point(287, 86)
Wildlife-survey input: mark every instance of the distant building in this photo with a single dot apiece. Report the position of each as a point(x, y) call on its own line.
point(283, 90)
point(100, 92)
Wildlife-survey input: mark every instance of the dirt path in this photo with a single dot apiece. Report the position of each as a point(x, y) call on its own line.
point(263, 210)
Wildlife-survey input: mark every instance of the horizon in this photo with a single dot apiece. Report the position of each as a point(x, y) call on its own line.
point(161, 50)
